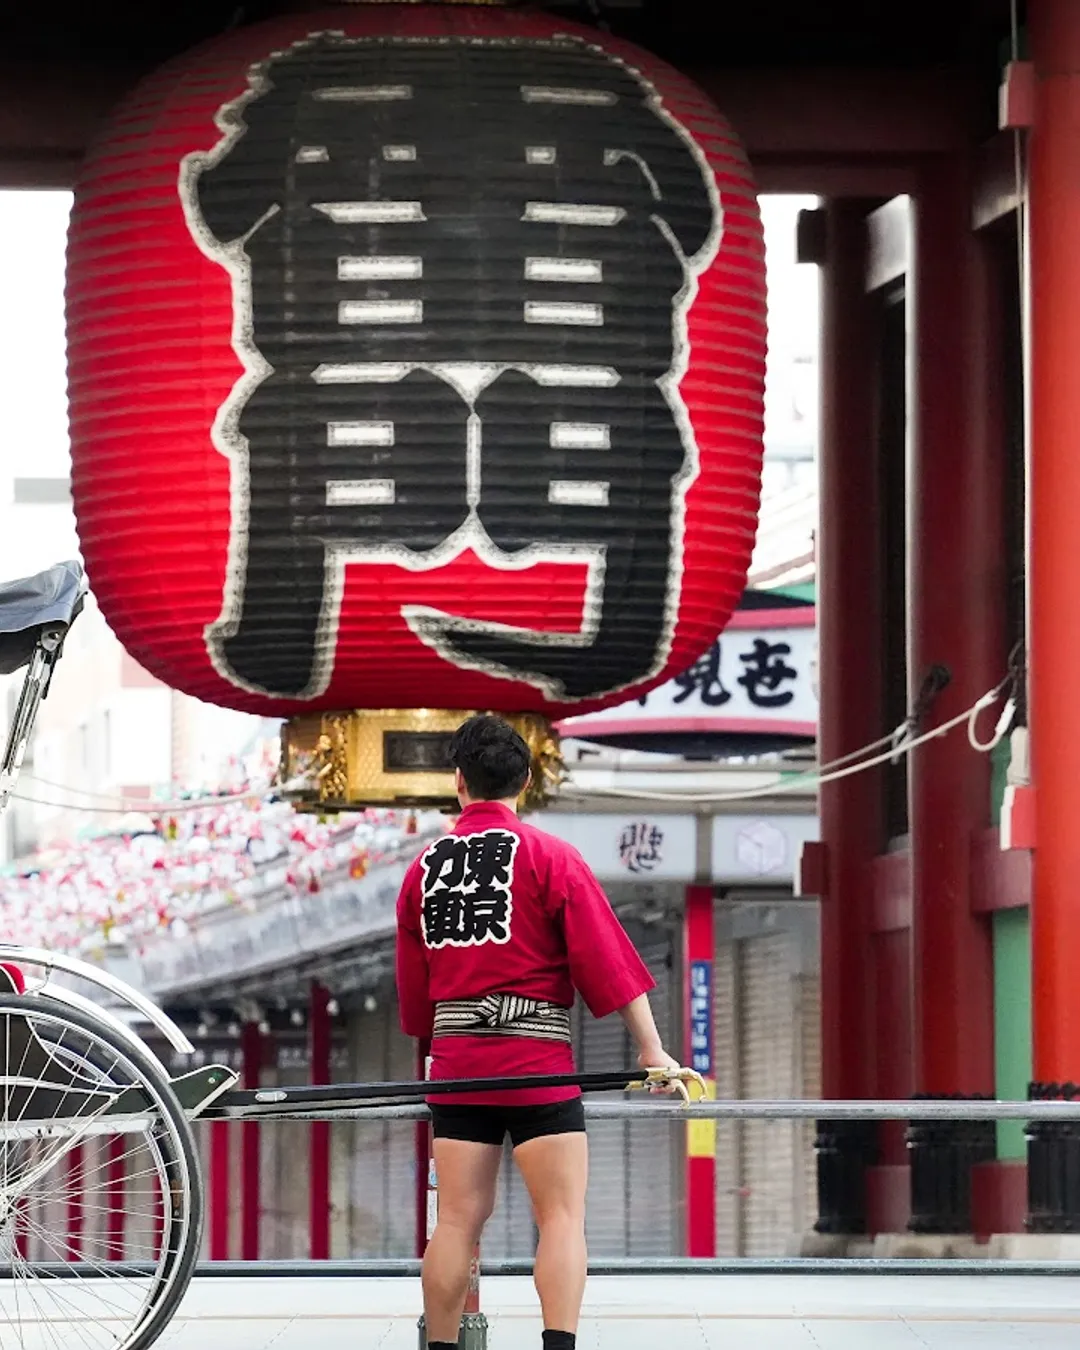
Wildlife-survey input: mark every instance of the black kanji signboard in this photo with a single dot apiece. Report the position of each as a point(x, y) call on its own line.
point(466, 887)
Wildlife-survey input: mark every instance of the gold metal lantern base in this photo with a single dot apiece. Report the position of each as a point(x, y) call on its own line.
point(343, 761)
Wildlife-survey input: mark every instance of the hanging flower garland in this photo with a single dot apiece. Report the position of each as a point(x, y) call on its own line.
point(126, 888)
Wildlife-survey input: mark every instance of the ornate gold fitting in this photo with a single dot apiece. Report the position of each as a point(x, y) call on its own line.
point(548, 766)
point(397, 757)
point(677, 1080)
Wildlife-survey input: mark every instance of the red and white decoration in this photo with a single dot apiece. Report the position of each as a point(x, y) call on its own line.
point(164, 874)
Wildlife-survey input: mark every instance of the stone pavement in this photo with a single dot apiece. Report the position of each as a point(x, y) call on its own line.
point(677, 1312)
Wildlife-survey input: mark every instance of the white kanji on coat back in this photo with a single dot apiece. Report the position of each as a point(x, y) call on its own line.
point(466, 888)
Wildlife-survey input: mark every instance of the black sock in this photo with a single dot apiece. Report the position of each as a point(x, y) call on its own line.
point(442, 1345)
point(559, 1340)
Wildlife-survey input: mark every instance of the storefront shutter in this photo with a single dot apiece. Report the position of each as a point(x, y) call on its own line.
point(726, 1067)
point(767, 1046)
point(381, 1177)
point(771, 1035)
point(632, 1166)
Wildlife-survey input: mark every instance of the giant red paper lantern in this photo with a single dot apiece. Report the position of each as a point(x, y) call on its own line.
point(416, 357)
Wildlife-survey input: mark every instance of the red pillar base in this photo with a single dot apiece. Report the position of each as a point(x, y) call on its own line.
point(319, 1037)
point(117, 1173)
point(250, 1149)
point(999, 1198)
point(219, 1196)
point(76, 1213)
point(699, 960)
point(888, 1199)
point(422, 1144)
point(701, 1205)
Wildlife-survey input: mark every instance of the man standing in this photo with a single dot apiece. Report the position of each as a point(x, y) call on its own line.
point(498, 925)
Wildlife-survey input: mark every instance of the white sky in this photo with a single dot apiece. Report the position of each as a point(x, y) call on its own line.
point(33, 227)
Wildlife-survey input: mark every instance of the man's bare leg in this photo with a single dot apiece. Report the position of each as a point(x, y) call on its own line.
point(467, 1176)
point(555, 1169)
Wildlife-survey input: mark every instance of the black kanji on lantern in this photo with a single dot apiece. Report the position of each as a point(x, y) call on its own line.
point(466, 888)
point(466, 264)
point(767, 670)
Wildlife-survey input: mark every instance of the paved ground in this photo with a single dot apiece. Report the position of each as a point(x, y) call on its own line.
point(759, 1312)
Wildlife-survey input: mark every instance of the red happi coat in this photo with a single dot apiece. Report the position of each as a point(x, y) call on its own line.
point(499, 906)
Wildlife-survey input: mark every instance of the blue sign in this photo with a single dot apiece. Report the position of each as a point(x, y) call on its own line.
point(701, 1017)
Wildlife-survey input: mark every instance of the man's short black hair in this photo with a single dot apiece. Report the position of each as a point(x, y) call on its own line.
point(492, 757)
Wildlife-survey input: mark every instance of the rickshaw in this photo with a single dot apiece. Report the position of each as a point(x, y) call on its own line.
point(101, 1198)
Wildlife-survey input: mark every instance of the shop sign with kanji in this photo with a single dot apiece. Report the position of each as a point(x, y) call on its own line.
point(759, 676)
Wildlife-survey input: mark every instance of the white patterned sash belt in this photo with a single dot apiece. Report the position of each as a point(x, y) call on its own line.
point(503, 1015)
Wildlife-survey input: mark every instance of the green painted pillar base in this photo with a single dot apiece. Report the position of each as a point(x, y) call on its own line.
point(473, 1334)
point(1012, 1022)
point(1011, 930)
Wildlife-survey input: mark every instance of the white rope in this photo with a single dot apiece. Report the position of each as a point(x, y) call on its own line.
point(828, 773)
point(1001, 728)
point(893, 746)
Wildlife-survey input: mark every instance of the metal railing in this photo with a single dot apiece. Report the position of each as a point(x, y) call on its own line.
point(782, 1109)
point(947, 1140)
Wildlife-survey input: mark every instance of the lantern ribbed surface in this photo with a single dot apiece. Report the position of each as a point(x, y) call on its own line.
point(416, 359)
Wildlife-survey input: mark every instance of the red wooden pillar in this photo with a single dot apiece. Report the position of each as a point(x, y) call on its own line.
point(423, 1157)
point(956, 620)
point(157, 1221)
point(956, 615)
point(319, 1042)
point(851, 702)
point(117, 1165)
point(850, 648)
point(220, 1199)
point(1054, 579)
point(76, 1182)
point(22, 1236)
point(251, 1045)
point(699, 953)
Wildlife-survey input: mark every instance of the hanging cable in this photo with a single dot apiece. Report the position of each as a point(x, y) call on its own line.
point(150, 808)
point(828, 774)
point(934, 682)
point(843, 767)
point(113, 798)
point(896, 740)
point(895, 744)
point(1014, 685)
point(1002, 727)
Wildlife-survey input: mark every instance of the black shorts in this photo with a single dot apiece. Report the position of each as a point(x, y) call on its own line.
point(491, 1124)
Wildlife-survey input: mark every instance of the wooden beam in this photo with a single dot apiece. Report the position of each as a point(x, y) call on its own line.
point(834, 175)
point(861, 112)
point(829, 132)
point(40, 171)
point(49, 111)
point(890, 910)
point(995, 193)
point(889, 243)
point(1000, 879)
